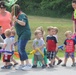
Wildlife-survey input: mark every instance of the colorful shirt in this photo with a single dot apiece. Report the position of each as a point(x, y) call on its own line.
point(69, 45)
point(5, 21)
point(51, 43)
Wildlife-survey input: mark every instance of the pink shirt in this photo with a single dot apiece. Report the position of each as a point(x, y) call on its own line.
point(5, 21)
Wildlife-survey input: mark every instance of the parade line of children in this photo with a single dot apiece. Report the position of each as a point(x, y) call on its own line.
point(39, 45)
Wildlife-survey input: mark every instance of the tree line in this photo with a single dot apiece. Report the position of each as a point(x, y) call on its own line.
point(46, 7)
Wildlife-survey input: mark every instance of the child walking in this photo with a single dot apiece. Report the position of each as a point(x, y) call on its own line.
point(38, 43)
point(51, 45)
point(70, 45)
point(55, 35)
point(7, 47)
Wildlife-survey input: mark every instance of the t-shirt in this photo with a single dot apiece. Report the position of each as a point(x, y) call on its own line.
point(37, 43)
point(8, 43)
point(51, 43)
point(69, 45)
point(23, 32)
point(13, 41)
point(5, 21)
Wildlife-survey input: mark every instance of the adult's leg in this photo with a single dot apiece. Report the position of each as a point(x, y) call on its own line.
point(22, 51)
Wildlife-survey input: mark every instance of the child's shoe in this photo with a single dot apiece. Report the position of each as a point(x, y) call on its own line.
point(8, 67)
point(43, 66)
point(64, 65)
point(59, 62)
point(4, 67)
point(34, 66)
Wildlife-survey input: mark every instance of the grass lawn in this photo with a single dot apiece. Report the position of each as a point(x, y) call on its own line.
point(62, 24)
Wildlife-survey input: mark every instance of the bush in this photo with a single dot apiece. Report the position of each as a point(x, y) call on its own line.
point(46, 7)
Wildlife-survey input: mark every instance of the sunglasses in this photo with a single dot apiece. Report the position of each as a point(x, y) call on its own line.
point(2, 7)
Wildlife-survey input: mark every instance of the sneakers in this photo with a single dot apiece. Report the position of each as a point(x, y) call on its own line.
point(73, 65)
point(6, 67)
point(64, 65)
point(27, 67)
point(34, 66)
point(43, 66)
point(59, 62)
point(19, 67)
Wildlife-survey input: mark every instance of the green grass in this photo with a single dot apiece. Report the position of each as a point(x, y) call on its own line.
point(62, 24)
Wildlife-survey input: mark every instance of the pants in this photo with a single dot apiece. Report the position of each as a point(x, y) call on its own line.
point(21, 49)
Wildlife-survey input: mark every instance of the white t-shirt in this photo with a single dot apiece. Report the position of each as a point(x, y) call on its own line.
point(8, 43)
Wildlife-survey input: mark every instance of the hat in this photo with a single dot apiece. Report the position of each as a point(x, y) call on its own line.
point(2, 4)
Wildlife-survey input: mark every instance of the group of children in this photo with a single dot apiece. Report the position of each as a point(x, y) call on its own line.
point(38, 44)
point(52, 44)
point(52, 47)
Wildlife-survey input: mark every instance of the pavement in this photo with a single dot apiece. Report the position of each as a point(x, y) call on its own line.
point(57, 70)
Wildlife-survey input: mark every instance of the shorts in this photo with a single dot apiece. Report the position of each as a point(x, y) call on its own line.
point(67, 55)
point(38, 58)
point(6, 58)
point(51, 55)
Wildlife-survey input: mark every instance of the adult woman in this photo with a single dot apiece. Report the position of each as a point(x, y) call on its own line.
point(5, 18)
point(24, 34)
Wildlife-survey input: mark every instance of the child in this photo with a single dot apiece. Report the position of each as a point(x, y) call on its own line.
point(38, 43)
point(7, 47)
point(51, 45)
point(45, 51)
point(55, 34)
point(70, 45)
point(13, 49)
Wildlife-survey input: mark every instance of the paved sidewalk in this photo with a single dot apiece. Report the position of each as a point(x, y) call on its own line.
point(57, 70)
